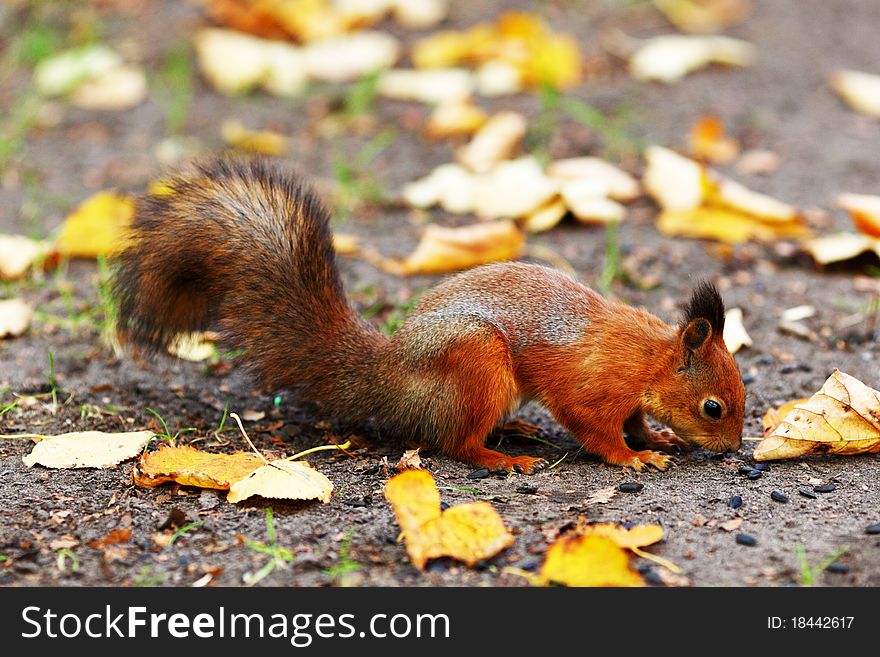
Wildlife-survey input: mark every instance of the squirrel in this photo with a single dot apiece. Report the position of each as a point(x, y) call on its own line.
point(245, 246)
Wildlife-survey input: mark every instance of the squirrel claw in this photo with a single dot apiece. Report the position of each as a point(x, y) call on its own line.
point(658, 460)
point(666, 441)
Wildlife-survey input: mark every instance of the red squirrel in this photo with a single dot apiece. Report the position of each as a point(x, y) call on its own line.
point(245, 246)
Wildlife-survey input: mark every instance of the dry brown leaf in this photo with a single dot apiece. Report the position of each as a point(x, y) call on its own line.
point(409, 461)
point(122, 535)
point(17, 254)
point(494, 142)
point(864, 210)
point(704, 16)
point(842, 418)
point(731, 525)
point(282, 479)
point(588, 560)
point(467, 532)
point(190, 467)
point(87, 449)
point(602, 496)
point(708, 141)
point(451, 249)
point(735, 335)
point(97, 227)
point(773, 417)
point(860, 90)
point(265, 142)
point(15, 317)
point(670, 57)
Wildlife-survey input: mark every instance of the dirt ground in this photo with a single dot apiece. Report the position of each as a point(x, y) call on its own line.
point(782, 103)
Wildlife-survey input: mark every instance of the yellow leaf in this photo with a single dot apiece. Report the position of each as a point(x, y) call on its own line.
point(735, 335)
point(451, 249)
point(87, 449)
point(773, 417)
point(282, 479)
point(589, 559)
point(442, 49)
point(494, 142)
point(634, 537)
point(708, 141)
point(725, 225)
point(842, 418)
point(670, 57)
point(454, 118)
point(265, 142)
point(554, 62)
point(15, 317)
point(97, 227)
point(194, 347)
point(545, 217)
point(514, 188)
point(190, 467)
point(864, 210)
point(466, 532)
point(704, 16)
point(345, 243)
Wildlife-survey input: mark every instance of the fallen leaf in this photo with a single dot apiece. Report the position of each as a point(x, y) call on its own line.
point(194, 347)
point(467, 532)
point(62, 73)
point(116, 536)
point(797, 313)
point(758, 162)
point(637, 536)
point(17, 254)
point(773, 417)
point(117, 89)
point(450, 185)
point(252, 415)
point(87, 449)
point(616, 183)
point(725, 225)
point(345, 243)
point(840, 246)
point(427, 86)
point(97, 227)
point(842, 418)
point(513, 189)
point(520, 42)
point(494, 142)
point(188, 466)
point(351, 57)
point(235, 63)
point(864, 210)
point(602, 496)
point(266, 142)
point(860, 90)
point(282, 479)
point(709, 142)
point(586, 198)
point(731, 525)
point(735, 335)
point(704, 16)
point(444, 249)
point(420, 14)
point(669, 58)
point(409, 461)
point(674, 181)
point(63, 543)
point(588, 560)
point(545, 217)
point(15, 317)
point(731, 194)
point(455, 118)
point(498, 78)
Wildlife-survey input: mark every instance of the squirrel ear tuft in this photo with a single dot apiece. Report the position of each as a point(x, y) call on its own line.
point(705, 304)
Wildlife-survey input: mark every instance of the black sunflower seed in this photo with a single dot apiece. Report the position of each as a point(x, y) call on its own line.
point(746, 539)
point(826, 488)
point(735, 502)
point(779, 496)
point(806, 492)
point(630, 487)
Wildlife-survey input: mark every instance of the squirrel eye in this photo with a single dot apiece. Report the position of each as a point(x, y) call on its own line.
point(712, 408)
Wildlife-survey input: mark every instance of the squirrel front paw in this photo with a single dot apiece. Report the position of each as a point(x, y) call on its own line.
point(648, 457)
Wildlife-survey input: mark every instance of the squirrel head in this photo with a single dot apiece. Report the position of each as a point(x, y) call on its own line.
point(704, 399)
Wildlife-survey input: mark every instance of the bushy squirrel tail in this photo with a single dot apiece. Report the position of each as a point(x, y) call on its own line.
point(244, 247)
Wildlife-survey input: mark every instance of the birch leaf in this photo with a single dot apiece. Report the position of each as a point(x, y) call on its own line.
point(282, 479)
point(669, 58)
point(97, 227)
point(588, 560)
point(842, 418)
point(467, 532)
point(188, 466)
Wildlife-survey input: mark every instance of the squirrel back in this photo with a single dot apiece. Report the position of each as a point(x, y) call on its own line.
point(243, 246)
